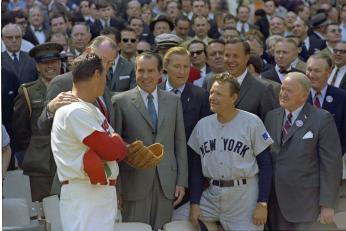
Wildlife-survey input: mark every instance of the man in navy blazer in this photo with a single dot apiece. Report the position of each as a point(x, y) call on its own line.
point(329, 98)
point(194, 99)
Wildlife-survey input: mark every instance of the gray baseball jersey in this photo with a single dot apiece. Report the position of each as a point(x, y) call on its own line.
point(228, 151)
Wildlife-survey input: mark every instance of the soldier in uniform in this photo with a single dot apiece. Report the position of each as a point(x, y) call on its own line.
point(38, 161)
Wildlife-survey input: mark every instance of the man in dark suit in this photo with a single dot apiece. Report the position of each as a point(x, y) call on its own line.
point(285, 52)
point(307, 160)
point(310, 44)
point(35, 32)
point(80, 37)
point(106, 20)
point(325, 96)
point(151, 115)
point(15, 61)
point(194, 99)
point(337, 77)
point(254, 96)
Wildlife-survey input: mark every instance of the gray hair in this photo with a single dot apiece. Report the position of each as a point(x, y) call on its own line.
point(6, 27)
point(302, 79)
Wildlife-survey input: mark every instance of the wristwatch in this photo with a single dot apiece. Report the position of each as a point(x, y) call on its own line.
point(263, 204)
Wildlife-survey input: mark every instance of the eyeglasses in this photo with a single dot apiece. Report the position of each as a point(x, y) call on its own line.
point(16, 37)
point(126, 40)
point(193, 53)
point(339, 50)
point(335, 30)
point(140, 51)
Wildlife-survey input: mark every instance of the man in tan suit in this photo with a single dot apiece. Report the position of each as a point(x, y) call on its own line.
point(152, 115)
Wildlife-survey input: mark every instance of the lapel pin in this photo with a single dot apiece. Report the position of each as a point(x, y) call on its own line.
point(188, 99)
point(305, 117)
point(299, 123)
point(329, 99)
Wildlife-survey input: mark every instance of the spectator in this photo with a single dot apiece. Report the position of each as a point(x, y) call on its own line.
point(338, 76)
point(80, 37)
point(198, 53)
point(182, 26)
point(36, 33)
point(332, 36)
point(128, 44)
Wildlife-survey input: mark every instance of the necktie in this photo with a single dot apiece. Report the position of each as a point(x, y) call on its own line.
point(283, 71)
point(334, 77)
point(15, 60)
point(242, 29)
point(286, 127)
point(316, 100)
point(38, 29)
point(176, 91)
point(152, 111)
point(109, 77)
point(103, 108)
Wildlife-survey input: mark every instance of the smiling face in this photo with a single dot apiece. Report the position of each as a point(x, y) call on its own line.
point(49, 69)
point(221, 99)
point(147, 73)
point(235, 58)
point(292, 94)
point(178, 69)
point(318, 71)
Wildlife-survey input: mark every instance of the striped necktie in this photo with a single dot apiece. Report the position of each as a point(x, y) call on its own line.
point(286, 127)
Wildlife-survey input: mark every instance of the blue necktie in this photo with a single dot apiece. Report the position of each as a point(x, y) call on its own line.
point(15, 59)
point(152, 111)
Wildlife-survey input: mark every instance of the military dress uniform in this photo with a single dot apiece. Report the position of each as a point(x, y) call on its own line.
point(38, 161)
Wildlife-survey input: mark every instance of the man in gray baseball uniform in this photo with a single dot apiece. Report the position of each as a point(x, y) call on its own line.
point(231, 150)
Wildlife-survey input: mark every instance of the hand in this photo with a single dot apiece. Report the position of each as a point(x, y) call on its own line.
point(195, 214)
point(64, 98)
point(260, 215)
point(120, 201)
point(326, 215)
point(179, 194)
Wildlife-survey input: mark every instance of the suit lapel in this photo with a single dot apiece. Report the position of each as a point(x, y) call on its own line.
point(244, 88)
point(137, 100)
point(117, 72)
point(163, 103)
point(278, 124)
point(185, 97)
point(328, 100)
point(302, 117)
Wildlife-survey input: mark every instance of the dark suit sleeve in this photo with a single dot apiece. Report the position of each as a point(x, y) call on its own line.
point(329, 152)
point(21, 122)
point(180, 147)
point(205, 109)
point(268, 102)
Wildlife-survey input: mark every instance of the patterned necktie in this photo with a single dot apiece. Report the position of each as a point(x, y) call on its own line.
point(286, 127)
point(103, 108)
point(316, 100)
point(109, 77)
point(334, 77)
point(152, 110)
point(15, 60)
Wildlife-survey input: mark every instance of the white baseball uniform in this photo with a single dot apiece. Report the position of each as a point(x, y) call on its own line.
point(83, 206)
point(228, 152)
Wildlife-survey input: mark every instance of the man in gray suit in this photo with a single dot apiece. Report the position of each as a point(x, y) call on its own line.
point(152, 115)
point(307, 160)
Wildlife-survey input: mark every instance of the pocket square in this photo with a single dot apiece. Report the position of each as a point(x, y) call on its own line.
point(308, 135)
point(124, 77)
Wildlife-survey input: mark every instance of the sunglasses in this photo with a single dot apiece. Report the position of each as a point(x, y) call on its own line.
point(193, 53)
point(126, 40)
point(339, 50)
point(140, 51)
